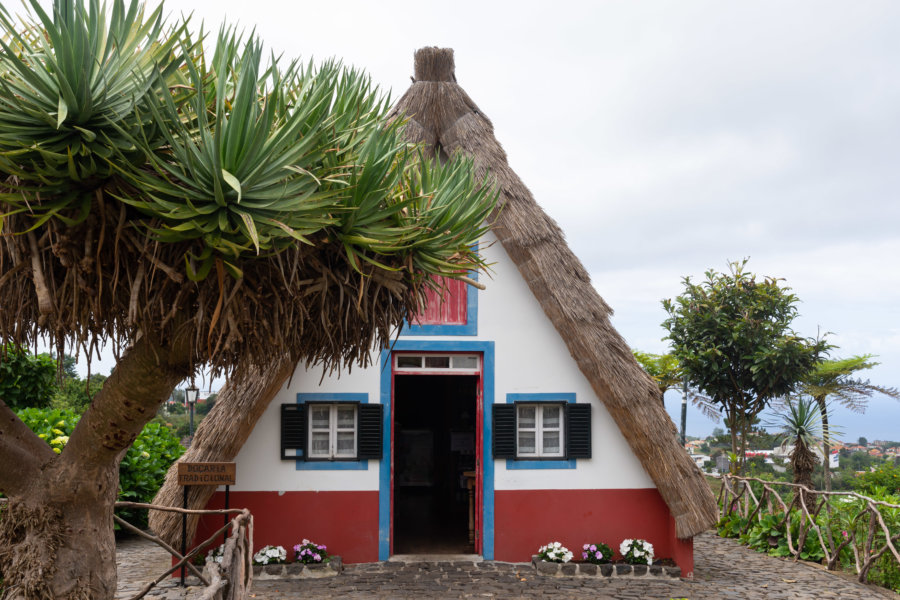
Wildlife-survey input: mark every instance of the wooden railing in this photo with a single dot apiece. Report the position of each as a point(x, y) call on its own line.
point(228, 580)
point(858, 519)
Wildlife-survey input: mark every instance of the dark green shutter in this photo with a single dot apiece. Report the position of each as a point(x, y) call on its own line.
point(370, 432)
point(504, 431)
point(578, 430)
point(293, 430)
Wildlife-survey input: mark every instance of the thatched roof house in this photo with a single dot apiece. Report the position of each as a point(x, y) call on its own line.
point(514, 415)
point(443, 116)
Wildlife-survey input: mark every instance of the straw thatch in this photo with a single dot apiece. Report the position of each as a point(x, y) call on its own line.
point(441, 114)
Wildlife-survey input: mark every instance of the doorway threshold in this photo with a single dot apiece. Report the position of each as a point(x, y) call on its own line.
point(435, 558)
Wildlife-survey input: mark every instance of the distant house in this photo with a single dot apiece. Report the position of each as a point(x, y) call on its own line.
point(876, 452)
point(694, 445)
point(699, 460)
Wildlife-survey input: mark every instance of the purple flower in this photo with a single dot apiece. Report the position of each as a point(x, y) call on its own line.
point(584, 555)
point(586, 546)
point(322, 547)
point(317, 557)
point(593, 548)
point(598, 555)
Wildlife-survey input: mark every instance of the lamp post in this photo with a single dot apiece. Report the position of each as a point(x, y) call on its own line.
point(190, 396)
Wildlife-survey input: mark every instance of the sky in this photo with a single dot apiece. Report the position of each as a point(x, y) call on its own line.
point(669, 138)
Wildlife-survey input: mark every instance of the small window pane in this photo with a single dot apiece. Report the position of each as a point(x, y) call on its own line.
point(346, 442)
point(437, 362)
point(465, 362)
point(319, 417)
point(527, 417)
point(551, 416)
point(346, 417)
point(526, 442)
point(551, 442)
point(409, 362)
point(319, 443)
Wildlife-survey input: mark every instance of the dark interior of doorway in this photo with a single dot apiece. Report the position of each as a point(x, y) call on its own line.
point(434, 437)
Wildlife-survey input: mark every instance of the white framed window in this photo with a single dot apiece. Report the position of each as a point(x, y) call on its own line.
point(539, 430)
point(333, 431)
point(458, 363)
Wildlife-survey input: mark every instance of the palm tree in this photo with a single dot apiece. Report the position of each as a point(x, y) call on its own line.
point(801, 426)
point(668, 375)
point(834, 380)
point(190, 203)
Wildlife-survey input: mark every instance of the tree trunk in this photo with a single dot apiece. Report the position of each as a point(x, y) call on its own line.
point(219, 437)
point(826, 447)
point(56, 537)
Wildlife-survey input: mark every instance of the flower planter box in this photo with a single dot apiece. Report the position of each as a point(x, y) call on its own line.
point(585, 569)
point(298, 570)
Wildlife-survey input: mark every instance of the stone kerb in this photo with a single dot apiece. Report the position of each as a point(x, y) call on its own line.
point(573, 569)
point(298, 570)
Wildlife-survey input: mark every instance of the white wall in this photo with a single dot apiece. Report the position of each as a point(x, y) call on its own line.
point(530, 357)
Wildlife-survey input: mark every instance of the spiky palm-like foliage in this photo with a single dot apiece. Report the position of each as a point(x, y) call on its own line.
point(149, 186)
point(190, 208)
point(668, 375)
point(834, 380)
point(801, 426)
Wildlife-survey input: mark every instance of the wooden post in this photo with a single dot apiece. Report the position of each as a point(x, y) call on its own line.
point(203, 473)
point(184, 532)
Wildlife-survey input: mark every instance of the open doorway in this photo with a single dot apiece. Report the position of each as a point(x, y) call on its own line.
point(435, 419)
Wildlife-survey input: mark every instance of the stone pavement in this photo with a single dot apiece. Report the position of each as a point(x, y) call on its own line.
point(723, 569)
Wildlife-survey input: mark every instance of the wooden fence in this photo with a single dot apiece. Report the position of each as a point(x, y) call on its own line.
point(858, 519)
point(228, 580)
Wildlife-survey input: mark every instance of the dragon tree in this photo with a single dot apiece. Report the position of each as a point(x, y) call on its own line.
point(189, 202)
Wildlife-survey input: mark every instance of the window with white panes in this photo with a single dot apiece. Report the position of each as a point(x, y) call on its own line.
point(539, 430)
point(332, 431)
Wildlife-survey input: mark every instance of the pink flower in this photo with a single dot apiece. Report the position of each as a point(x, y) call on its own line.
point(586, 546)
point(317, 557)
point(598, 555)
point(584, 555)
point(593, 548)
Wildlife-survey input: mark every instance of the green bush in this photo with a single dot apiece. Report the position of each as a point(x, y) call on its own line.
point(141, 472)
point(144, 467)
point(886, 476)
point(26, 379)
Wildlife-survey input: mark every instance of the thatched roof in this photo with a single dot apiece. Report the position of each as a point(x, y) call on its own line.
point(442, 115)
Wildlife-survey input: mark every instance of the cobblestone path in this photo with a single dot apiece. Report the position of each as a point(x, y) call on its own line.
point(723, 570)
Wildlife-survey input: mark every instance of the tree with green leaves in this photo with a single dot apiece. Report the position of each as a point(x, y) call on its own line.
point(190, 204)
point(26, 380)
point(836, 380)
point(732, 335)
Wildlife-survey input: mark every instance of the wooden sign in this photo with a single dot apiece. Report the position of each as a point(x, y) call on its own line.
point(206, 473)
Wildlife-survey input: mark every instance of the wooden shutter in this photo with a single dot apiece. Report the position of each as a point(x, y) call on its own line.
point(504, 416)
point(293, 430)
point(369, 443)
point(578, 430)
point(446, 306)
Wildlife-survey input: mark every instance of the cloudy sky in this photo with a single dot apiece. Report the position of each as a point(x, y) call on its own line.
point(668, 138)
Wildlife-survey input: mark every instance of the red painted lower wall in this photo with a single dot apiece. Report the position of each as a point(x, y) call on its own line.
point(345, 521)
point(524, 520)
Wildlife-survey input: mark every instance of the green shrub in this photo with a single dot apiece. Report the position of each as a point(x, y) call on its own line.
point(144, 467)
point(885, 476)
point(141, 472)
point(731, 525)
